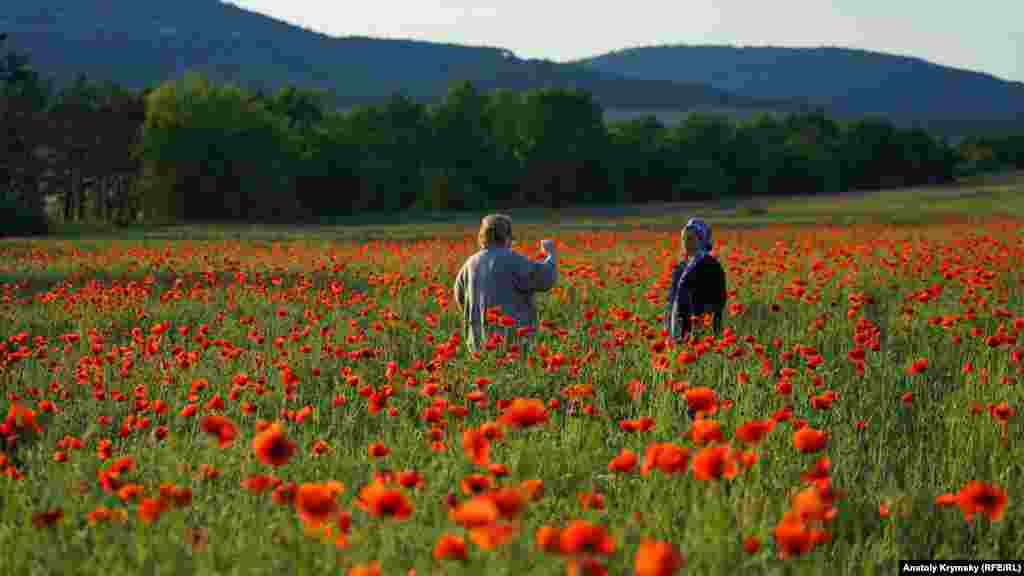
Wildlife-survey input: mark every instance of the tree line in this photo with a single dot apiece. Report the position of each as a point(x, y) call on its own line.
point(192, 149)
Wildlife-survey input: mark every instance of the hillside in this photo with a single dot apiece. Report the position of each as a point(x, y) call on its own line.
point(844, 81)
point(141, 43)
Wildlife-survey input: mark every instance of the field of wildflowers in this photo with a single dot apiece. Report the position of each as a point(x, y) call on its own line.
point(308, 407)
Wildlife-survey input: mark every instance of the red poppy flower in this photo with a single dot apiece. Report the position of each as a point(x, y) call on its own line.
point(702, 399)
point(525, 412)
point(754, 431)
point(808, 440)
point(221, 427)
point(665, 457)
point(583, 537)
point(450, 547)
point(272, 447)
point(978, 497)
point(316, 503)
point(715, 463)
point(625, 462)
point(379, 500)
point(655, 558)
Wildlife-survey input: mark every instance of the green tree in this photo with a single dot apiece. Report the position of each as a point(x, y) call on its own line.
point(811, 152)
point(871, 155)
point(465, 152)
point(123, 113)
point(394, 141)
point(924, 159)
point(758, 158)
point(505, 109)
point(24, 99)
point(75, 125)
point(638, 161)
point(304, 108)
point(1011, 150)
point(215, 152)
point(563, 139)
point(700, 153)
point(330, 162)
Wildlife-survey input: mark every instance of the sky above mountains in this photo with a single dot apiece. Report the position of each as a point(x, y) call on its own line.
point(985, 36)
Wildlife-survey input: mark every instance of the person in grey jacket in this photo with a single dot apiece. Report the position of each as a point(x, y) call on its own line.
point(498, 279)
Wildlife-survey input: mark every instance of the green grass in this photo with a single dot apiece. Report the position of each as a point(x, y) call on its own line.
point(120, 284)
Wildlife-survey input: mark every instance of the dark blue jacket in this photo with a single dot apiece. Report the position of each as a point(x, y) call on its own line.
point(703, 291)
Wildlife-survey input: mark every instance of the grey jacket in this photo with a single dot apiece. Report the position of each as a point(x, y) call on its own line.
point(504, 278)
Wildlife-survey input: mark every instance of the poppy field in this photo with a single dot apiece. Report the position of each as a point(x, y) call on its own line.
point(310, 407)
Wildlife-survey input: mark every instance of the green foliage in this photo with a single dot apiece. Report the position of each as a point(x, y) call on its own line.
point(24, 97)
point(988, 154)
point(505, 109)
point(464, 154)
point(474, 151)
point(93, 131)
point(222, 149)
point(700, 147)
point(18, 219)
point(304, 108)
point(563, 142)
point(640, 166)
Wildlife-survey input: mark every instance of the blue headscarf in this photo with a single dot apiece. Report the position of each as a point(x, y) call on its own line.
point(703, 232)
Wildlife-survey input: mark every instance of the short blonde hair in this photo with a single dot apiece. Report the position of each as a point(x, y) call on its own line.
point(495, 229)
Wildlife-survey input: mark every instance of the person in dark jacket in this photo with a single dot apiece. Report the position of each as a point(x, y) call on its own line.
point(698, 283)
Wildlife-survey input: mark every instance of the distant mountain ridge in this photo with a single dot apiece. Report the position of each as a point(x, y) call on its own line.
point(139, 43)
point(846, 81)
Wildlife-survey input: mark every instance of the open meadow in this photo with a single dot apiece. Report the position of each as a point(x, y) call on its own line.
point(273, 400)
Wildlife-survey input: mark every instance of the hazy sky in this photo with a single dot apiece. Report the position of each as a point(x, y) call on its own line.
point(982, 35)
